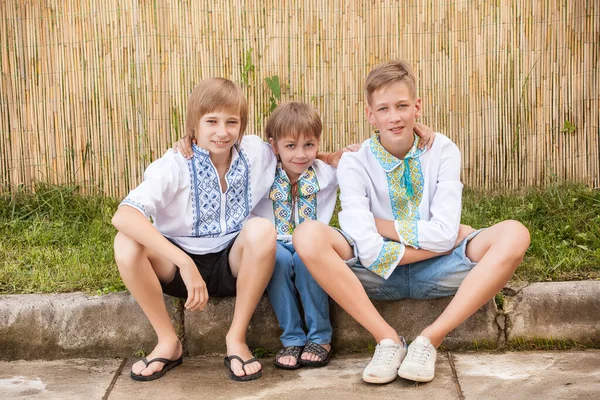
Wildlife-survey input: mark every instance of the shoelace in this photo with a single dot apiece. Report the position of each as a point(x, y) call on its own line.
point(419, 354)
point(384, 354)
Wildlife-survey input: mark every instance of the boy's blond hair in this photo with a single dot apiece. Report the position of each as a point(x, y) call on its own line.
point(294, 119)
point(388, 73)
point(215, 95)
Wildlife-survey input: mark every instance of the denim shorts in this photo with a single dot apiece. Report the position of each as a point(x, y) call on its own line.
point(430, 279)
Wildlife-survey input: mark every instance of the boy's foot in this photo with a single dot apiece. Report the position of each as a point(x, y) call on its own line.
point(316, 355)
point(287, 358)
point(244, 367)
point(388, 356)
point(419, 364)
point(166, 351)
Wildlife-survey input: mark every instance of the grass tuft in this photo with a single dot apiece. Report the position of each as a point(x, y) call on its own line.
point(56, 240)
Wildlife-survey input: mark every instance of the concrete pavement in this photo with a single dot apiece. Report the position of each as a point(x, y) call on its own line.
point(469, 375)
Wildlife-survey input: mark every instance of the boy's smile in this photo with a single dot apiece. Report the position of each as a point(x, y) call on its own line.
point(296, 154)
point(393, 111)
point(218, 132)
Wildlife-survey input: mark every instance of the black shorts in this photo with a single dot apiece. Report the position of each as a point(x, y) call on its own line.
point(214, 269)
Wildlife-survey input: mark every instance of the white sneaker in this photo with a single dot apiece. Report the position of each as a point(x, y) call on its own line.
point(388, 356)
point(419, 364)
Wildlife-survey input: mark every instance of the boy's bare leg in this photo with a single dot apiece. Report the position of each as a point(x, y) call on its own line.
point(252, 259)
point(141, 270)
point(323, 251)
point(498, 251)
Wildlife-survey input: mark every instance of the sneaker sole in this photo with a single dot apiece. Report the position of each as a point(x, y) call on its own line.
point(379, 381)
point(415, 378)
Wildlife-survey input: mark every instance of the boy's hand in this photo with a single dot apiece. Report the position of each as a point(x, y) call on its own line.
point(463, 232)
point(333, 159)
point(426, 134)
point(184, 146)
point(195, 285)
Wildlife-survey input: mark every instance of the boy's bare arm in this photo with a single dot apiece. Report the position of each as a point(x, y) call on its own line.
point(333, 159)
point(134, 225)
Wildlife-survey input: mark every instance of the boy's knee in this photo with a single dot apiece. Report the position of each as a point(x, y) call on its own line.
point(518, 234)
point(307, 236)
point(127, 250)
point(260, 234)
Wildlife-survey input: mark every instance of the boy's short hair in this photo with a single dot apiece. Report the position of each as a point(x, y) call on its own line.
point(214, 95)
point(388, 73)
point(294, 119)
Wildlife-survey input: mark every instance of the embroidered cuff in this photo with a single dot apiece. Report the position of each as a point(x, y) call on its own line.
point(134, 204)
point(408, 232)
point(388, 259)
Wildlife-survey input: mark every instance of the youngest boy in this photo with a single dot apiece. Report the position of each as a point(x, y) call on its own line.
point(402, 237)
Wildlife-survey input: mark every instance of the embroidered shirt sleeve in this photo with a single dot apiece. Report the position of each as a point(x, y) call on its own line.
point(440, 231)
point(356, 219)
point(159, 187)
point(408, 232)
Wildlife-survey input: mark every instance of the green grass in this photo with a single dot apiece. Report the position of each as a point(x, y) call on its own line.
point(58, 241)
point(563, 221)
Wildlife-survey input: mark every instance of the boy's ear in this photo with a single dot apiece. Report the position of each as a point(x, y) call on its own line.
point(369, 114)
point(418, 108)
point(272, 143)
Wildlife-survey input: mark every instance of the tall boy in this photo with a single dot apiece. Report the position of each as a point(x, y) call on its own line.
point(402, 236)
point(196, 246)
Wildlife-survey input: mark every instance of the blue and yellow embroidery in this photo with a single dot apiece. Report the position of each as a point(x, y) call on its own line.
point(405, 187)
point(388, 258)
point(283, 203)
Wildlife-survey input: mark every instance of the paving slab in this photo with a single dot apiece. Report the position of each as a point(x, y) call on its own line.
point(60, 379)
point(529, 375)
point(206, 377)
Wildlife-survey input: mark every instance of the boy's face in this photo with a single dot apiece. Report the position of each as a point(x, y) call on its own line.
point(296, 154)
point(218, 131)
point(393, 111)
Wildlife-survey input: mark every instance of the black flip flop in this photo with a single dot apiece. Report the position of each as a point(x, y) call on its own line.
point(243, 378)
point(169, 365)
point(293, 351)
point(320, 351)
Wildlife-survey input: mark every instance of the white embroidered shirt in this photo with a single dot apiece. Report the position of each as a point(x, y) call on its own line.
point(421, 194)
point(185, 200)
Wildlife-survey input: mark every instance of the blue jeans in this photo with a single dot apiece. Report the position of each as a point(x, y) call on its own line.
point(290, 284)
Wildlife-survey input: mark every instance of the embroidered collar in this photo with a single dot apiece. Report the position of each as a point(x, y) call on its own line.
point(203, 153)
point(307, 184)
point(387, 161)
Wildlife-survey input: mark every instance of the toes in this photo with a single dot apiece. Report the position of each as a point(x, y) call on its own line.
point(252, 368)
point(138, 367)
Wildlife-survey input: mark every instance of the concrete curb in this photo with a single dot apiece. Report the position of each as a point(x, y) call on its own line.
point(80, 325)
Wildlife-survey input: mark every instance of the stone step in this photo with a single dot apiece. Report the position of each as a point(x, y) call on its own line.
point(80, 325)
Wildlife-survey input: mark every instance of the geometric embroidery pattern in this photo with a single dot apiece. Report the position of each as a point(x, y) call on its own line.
point(206, 194)
point(237, 205)
point(405, 184)
point(387, 258)
point(134, 204)
point(284, 205)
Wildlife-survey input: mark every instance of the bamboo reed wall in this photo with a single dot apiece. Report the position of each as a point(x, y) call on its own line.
point(92, 92)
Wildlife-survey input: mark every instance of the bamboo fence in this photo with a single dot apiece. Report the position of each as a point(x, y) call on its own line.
point(92, 92)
